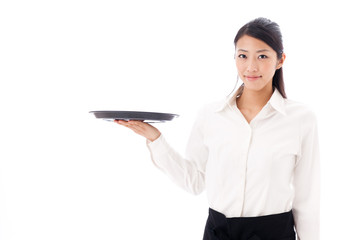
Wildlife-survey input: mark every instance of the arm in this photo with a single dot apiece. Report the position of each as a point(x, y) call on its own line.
point(187, 172)
point(306, 205)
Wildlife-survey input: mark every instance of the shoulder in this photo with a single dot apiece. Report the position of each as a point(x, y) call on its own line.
point(299, 108)
point(211, 107)
point(302, 113)
point(208, 111)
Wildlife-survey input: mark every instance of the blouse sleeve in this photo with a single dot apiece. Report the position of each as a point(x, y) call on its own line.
point(188, 172)
point(306, 204)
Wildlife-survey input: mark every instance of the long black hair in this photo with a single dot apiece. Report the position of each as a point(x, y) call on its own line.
point(268, 32)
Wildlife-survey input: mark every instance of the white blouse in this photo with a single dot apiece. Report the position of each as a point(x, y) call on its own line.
point(266, 167)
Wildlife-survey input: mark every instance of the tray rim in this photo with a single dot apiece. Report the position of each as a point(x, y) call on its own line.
point(123, 111)
point(154, 118)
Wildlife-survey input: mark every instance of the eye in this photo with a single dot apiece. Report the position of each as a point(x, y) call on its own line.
point(242, 56)
point(263, 56)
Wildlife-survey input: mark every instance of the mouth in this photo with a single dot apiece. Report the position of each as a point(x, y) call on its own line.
point(252, 78)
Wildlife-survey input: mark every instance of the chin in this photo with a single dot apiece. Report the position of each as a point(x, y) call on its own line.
point(257, 85)
point(254, 87)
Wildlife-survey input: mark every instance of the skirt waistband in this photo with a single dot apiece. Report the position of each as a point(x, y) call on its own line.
point(268, 227)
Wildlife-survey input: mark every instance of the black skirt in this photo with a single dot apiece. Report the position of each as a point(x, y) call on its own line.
point(269, 227)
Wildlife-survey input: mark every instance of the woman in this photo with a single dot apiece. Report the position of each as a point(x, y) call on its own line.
point(256, 153)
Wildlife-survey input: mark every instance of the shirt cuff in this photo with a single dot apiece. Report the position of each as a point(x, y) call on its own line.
point(158, 145)
point(158, 148)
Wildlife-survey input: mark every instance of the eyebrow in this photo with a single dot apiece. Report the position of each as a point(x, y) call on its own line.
point(261, 50)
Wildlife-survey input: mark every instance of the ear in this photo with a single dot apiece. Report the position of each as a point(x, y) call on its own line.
point(281, 61)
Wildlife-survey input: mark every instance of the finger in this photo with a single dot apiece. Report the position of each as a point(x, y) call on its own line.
point(138, 126)
point(141, 123)
point(137, 123)
point(137, 129)
point(121, 122)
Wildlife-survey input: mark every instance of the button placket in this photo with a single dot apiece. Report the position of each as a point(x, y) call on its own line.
point(244, 165)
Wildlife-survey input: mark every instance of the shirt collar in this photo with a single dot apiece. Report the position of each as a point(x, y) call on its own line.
point(276, 101)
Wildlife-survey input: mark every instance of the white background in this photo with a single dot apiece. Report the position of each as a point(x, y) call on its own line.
point(66, 175)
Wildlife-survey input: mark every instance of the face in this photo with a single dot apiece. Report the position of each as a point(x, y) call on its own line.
point(256, 63)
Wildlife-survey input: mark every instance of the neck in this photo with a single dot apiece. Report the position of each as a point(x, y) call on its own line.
point(254, 100)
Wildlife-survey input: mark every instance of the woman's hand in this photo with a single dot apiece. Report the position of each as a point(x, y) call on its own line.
point(144, 129)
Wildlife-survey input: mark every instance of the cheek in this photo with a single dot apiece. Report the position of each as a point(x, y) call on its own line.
point(269, 68)
point(240, 66)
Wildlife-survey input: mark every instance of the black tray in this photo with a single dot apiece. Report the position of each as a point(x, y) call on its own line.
point(134, 115)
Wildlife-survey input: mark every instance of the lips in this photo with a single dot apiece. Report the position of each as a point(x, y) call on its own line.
point(252, 78)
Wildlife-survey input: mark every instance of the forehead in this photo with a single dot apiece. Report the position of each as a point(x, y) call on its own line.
point(251, 44)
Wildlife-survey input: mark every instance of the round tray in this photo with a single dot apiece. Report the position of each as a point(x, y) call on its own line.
point(134, 115)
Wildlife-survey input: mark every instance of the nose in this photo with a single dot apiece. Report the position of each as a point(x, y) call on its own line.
point(252, 66)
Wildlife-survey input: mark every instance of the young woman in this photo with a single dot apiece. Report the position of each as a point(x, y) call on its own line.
point(256, 152)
